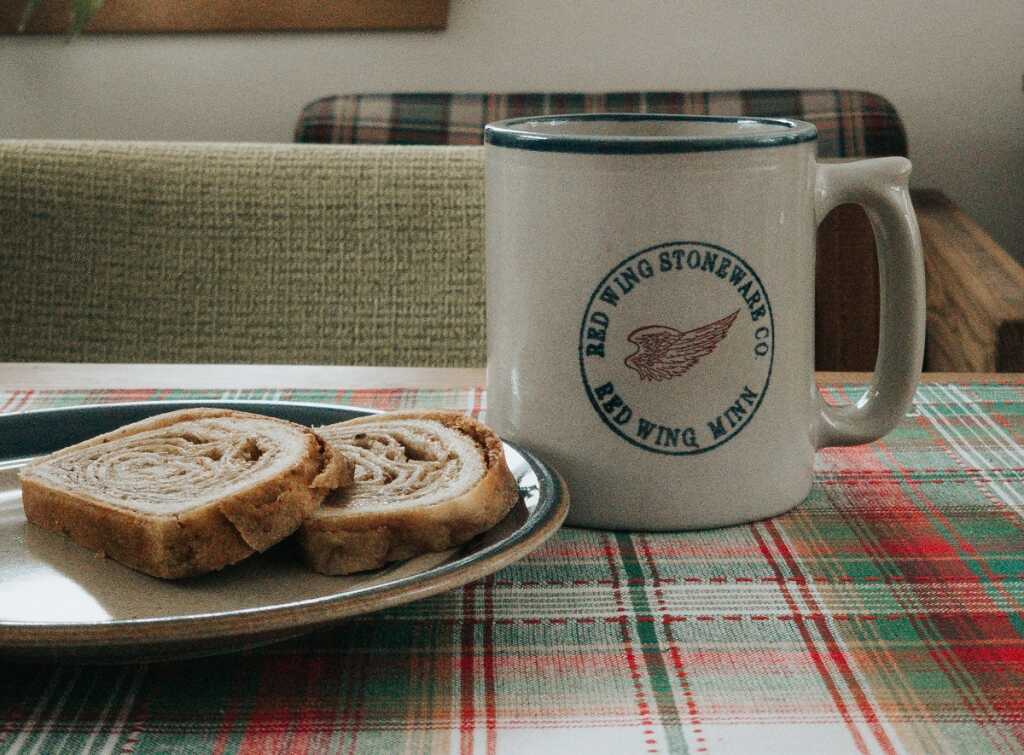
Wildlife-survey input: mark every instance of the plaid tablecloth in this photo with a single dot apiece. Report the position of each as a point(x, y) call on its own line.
point(884, 614)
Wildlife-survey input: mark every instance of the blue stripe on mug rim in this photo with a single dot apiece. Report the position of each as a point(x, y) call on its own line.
point(511, 134)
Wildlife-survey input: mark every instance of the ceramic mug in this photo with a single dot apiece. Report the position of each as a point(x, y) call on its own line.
point(650, 309)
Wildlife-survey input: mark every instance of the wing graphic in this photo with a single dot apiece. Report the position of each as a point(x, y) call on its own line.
point(663, 352)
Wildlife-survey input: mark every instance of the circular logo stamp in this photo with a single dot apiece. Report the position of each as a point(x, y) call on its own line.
point(676, 347)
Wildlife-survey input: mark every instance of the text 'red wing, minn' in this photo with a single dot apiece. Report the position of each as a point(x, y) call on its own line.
point(663, 352)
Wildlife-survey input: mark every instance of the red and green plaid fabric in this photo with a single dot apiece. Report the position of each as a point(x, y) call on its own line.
point(883, 615)
point(850, 123)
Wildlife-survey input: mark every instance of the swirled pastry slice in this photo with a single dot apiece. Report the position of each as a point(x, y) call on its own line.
point(186, 492)
point(423, 481)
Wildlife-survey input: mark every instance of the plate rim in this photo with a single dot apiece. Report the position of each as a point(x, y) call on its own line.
point(304, 615)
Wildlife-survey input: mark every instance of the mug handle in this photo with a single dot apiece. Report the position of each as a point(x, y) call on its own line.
point(880, 186)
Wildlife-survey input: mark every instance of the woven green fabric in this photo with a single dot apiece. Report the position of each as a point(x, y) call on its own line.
point(155, 252)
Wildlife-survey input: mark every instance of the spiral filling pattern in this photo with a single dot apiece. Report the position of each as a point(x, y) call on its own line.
point(171, 469)
point(404, 462)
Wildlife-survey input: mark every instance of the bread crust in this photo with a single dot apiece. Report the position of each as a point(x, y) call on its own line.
point(198, 540)
point(334, 541)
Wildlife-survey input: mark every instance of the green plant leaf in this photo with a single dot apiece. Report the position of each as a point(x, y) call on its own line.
point(82, 12)
point(26, 14)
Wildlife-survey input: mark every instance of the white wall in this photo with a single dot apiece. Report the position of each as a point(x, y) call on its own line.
point(953, 69)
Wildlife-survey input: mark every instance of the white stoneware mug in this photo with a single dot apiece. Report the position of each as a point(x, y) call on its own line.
point(650, 306)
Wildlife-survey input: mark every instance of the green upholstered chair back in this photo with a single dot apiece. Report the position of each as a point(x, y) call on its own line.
point(150, 252)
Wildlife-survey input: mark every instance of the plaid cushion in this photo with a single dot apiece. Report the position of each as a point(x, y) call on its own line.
point(850, 123)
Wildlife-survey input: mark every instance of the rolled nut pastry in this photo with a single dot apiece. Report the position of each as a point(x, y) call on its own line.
point(186, 492)
point(423, 482)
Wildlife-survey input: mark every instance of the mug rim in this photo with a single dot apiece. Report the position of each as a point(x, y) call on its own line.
point(507, 133)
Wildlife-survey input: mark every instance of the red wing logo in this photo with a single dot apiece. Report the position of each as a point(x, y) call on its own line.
point(663, 352)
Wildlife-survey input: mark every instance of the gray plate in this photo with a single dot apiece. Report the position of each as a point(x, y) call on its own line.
point(60, 601)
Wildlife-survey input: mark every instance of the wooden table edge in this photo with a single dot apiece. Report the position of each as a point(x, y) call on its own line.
point(66, 376)
point(96, 376)
point(1006, 378)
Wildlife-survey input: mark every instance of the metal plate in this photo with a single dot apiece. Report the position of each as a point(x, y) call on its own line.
point(61, 601)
